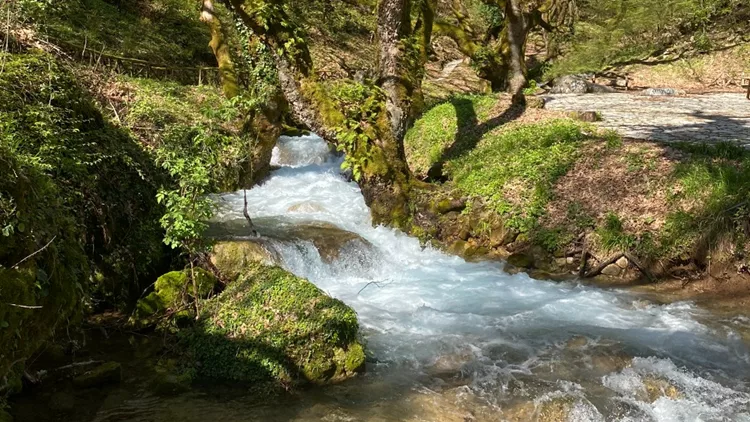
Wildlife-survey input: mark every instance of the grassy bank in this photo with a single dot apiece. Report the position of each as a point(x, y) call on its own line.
point(550, 188)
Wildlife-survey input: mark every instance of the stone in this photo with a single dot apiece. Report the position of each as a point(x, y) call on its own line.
point(623, 263)
point(521, 260)
point(570, 84)
point(570, 260)
point(662, 92)
point(656, 388)
point(586, 116)
point(106, 373)
point(612, 270)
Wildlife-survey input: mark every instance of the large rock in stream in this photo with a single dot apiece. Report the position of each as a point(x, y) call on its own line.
point(269, 325)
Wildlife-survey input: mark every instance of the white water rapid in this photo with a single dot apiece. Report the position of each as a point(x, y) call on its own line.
point(451, 338)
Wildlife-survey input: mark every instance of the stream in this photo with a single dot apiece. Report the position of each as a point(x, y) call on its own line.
point(450, 340)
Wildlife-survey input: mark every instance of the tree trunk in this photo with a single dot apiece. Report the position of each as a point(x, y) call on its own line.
point(386, 179)
point(514, 52)
point(218, 45)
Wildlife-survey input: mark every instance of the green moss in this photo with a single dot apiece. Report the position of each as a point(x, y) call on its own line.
point(270, 325)
point(445, 126)
point(173, 291)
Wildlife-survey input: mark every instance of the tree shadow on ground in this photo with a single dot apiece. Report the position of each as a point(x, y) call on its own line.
point(469, 131)
point(709, 129)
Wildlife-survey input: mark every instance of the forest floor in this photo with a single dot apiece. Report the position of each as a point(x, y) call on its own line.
point(694, 118)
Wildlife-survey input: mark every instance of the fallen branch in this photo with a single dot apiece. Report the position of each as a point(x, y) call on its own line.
point(599, 268)
point(30, 256)
point(612, 259)
point(24, 306)
point(247, 215)
point(584, 259)
point(635, 261)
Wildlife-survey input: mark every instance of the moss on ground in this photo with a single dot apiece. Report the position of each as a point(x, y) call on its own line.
point(552, 185)
point(269, 325)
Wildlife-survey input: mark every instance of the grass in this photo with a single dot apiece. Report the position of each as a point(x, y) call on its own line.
point(159, 31)
point(676, 203)
point(443, 126)
point(514, 171)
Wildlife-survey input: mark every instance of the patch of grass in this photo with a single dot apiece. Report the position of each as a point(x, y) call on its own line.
point(711, 191)
point(160, 31)
point(514, 171)
point(612, 235)
point(447, 125)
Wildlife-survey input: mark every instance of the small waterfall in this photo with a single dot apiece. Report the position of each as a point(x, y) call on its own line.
point(439, 324)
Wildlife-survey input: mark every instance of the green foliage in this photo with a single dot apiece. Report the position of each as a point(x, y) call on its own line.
point(103, 176)
point(711, 192)
point(160, 31)
point(269, 325)
point(361, 105)
point(614, 32)
point(514, 170)
point(612, 235)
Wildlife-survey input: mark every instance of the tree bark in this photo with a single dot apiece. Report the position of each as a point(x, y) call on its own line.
point(220, 49)
point(402, 54)
point(514, 47)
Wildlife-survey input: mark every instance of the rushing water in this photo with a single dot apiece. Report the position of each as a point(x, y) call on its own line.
point(456, 341)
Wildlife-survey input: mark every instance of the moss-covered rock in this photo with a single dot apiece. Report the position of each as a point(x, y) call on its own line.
point(269, 325)
point(173, 290)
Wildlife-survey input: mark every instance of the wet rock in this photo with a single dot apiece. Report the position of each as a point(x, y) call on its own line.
point(656, 388)
point(521, 260)
point(107, 373)
point(306, 207)
point(577, 343)
point(609, 363)
point(232, 256)
point(555, 410)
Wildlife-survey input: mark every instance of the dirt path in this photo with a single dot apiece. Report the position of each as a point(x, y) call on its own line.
point(696, 118)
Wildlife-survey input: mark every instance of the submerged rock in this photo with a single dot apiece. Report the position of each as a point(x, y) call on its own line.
point(269, 325)
point(656, 388)
point(107, 373)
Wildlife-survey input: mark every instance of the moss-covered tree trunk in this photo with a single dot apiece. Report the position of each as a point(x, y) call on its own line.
point(514, 48)
point(220, 49)
point(381, 163)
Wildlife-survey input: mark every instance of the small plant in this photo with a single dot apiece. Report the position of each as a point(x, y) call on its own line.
point(612, 234)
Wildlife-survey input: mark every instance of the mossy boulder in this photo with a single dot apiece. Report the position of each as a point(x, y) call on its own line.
point(269, 325)
point(173, 290)
point(106, 373)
